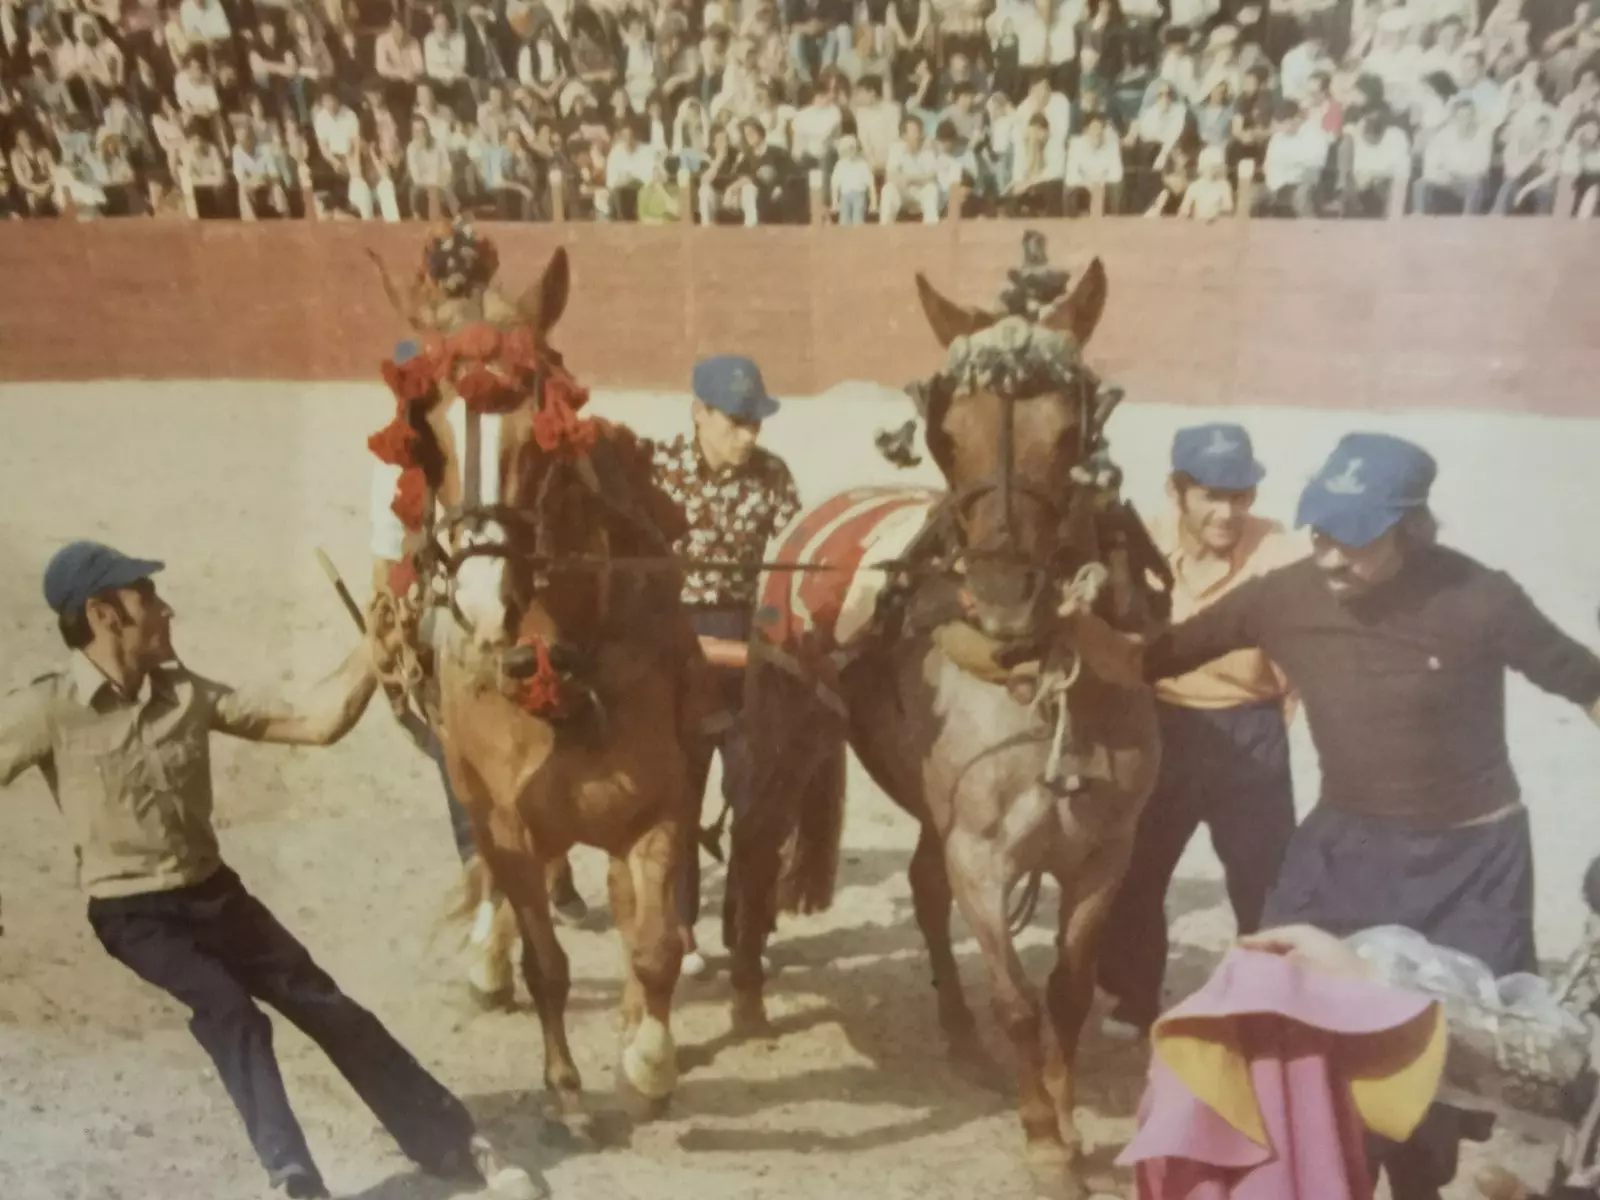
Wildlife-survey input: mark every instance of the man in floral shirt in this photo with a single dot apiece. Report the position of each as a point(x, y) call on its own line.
point(737, 497)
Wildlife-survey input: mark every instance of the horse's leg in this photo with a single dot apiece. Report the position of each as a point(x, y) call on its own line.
point(549, 980)
point(1070, 995)
point(624, 911)
point(979, 871)
point(649, 1057)
point(931, 899)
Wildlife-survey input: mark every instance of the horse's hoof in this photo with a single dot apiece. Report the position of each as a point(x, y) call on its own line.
point(499, 1000)
point(574, 1131)
point(1055, 1174)
point(750, 1020)
point(641, 1109)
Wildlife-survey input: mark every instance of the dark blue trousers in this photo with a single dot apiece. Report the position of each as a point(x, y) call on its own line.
point(1226, 768)
point(217, 950)
point(1470, 889)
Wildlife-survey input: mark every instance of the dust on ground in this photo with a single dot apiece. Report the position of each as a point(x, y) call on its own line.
point(106, 1096)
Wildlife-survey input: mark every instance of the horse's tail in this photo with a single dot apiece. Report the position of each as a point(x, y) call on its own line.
point(809, 867)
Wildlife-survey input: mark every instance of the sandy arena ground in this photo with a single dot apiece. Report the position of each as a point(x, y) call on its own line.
point(106, 1097)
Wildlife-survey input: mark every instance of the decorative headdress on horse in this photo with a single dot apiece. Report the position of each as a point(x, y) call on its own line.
point(1019, 351)
point(486, 346)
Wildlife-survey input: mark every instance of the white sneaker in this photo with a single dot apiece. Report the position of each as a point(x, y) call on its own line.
point(695, 965)
point(512, 1183)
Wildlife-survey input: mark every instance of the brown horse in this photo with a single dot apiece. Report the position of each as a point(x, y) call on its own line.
point(558, 686)
point(958, 695)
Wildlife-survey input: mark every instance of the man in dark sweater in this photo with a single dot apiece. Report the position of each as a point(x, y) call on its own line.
point(1399, 649)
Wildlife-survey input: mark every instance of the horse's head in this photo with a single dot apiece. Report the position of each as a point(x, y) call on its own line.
point(1011, 420)
point(490, 414)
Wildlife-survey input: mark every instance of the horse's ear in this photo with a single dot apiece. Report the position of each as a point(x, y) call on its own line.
point(402, 299)
point(1079, 313)
point(544, 302)
point(946, 318)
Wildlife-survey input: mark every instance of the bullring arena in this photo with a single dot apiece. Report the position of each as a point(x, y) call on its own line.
point(203, 395)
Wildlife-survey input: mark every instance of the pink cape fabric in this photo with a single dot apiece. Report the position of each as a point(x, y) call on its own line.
point(1288, 1023)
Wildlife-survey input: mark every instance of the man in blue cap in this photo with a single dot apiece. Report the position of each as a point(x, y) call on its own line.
point(737, 497)
point(1224, 738)
point(1399, 648)
point(120, 733)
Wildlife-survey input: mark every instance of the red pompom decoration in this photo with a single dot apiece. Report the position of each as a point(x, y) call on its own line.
point(479, 342)
point(519, 349)
point(411, 380)
point(486, 392)
point(395, 443)
point(410, 497)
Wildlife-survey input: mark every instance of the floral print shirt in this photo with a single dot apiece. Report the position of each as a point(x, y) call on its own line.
point(732, 515)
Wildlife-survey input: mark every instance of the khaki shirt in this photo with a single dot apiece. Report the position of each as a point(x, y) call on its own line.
point(132, 777)
point(1245, 676)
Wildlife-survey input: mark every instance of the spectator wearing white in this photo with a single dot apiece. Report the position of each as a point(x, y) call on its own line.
point(1150, 140)
point(1570, 51)
point(775, 117)
point(1505, 32)
point(338, 132)
point(1532, 161)
point(372, 191)
point(1379, 155)
point(638, 61)
point(1094, 160)
point(436, 115)
point(1024, 21)
point(1210, 196)
point(1062, 49)
point(1580, 162)
point(1582, 101)
point(877, 121)
point(98, 61)
point(1213, 119)
point(1444, 56)
point(853, 192)
point(204, 178)
point(444, 58)
point(953, 166)
point(814, 130)
point(120, 119)
point(195, 92)
point(629, 166)
point(1044, 101)
point(1037, 173)
point(1297, 154)
point(1221, 62)
point(428, 171)
point(1299, 64)
point(204, 21)
point(255, 170)
point(1524, 97)
point(1486, 95)
point(114, 174)
point(912, 183)
point(1455, 165)
point(1177, 66)
point(1394, 60)
point(397, 58)
point(542, 65)
point(691, 135)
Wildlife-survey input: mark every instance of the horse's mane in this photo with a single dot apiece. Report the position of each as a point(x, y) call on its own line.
point(633, 457)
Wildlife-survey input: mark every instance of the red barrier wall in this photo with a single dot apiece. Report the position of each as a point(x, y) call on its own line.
point(1484, 313)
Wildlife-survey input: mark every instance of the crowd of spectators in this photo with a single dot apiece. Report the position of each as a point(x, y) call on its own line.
point(753, 111)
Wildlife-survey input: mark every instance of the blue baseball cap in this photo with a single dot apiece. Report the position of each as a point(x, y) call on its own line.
point(83, 569)
point(405, 350)
point(1217, 456)
point(1368, 483)
point(732, 384)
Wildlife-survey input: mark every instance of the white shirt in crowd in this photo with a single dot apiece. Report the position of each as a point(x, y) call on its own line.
point(814, 127)
point(1378, 162)
point(537, 63)
point(908, 169)
point(204, 22)
point(1207, 199)
point(337, 132)
point(1064, 30)
point(397, 59)
point(1294, 75)
point(1057, 110)
point(197, 99)
point(1088, 165)
point(1452, 155)
point(1295, 158)
point(445, 57)
point(625, 166)
point(1033, 39)
point(851, 177)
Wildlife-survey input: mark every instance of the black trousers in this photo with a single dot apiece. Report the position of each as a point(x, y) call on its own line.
point(730, 742)
point(1470, 889)
point(1227, 768)
point(216, 948)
